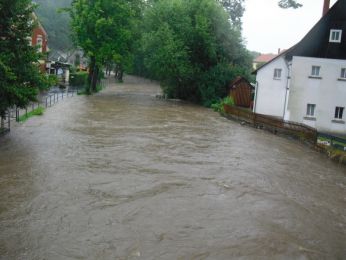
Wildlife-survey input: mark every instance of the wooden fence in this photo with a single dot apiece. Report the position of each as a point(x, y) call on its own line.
point(274, 124)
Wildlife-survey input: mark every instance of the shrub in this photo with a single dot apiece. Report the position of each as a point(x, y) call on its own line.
point(218, 106)
point(78, 78)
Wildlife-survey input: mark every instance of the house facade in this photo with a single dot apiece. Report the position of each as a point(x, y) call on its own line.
point(39, 38)
point(307, 83)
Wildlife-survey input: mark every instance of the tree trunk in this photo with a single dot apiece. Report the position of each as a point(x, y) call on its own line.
point(91, 73)
point(120, 74)
point(94, 78)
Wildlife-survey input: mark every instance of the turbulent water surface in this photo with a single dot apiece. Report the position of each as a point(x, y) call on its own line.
point(123, 175)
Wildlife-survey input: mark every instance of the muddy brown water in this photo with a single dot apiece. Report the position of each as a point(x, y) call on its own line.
point(123, 175)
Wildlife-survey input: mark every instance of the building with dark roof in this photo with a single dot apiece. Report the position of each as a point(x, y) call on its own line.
point(307, 83)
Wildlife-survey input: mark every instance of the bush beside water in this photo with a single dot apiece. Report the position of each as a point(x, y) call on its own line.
point(78, 78)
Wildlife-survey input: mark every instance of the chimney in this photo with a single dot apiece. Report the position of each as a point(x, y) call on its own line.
point(326, 5)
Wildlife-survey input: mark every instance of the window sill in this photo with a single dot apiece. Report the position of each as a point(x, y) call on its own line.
point(315, 77)
point(338, 121)
point(276, 78)
point(341, 79)
point(310, 118)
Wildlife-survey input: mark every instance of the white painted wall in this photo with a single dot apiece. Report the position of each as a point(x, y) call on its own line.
point(270, 92)
point(327, 93)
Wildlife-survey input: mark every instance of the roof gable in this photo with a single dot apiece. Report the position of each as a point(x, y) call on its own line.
point(316, 42)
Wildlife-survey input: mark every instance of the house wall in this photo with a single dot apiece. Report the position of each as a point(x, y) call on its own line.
point(270, 93)
point(37, 33)
point(326, 92)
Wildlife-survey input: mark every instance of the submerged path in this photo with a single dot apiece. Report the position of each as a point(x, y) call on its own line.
point(122, 175)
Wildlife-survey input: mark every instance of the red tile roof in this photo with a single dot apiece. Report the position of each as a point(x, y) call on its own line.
point(265, 57)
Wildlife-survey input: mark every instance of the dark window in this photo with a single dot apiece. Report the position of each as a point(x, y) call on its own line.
point(339, 112)
point(315, 71)
point(343, 73)
point(310, 110)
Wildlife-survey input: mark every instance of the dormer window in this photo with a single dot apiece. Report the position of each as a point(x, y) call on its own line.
point(335, 35)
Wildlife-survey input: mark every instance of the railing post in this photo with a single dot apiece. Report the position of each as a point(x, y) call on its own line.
point(50, 100)
point(9, 120)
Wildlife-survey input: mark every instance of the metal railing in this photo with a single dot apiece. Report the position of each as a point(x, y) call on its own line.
point(331, 140)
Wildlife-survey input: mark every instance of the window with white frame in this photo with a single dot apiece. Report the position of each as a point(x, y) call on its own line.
point(335, 35)
point(339, 111)
point(315, 71)
point(39, 43)
point(343, 73)
point(277, 73)
point(310, 109)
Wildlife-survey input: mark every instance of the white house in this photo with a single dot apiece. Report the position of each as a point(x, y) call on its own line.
point(307, 83)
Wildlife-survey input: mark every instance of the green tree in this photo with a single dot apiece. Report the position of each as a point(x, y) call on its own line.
point(104, 30)
point(56, 23)
point(20, 78)
point(191, 48)
point(235, 9)
point(289, 4)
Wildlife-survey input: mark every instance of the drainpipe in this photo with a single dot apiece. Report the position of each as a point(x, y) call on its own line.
point(287, 89)
point(326, 5)
point(255, 98)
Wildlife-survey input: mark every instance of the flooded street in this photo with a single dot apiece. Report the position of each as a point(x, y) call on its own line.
point(123, 175)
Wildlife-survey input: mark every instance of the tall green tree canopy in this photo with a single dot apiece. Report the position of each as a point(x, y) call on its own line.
point(289, 4)
point(104, 29)
point(235, 9)
point(57, 24)
point(19, 74)
point(192, 48)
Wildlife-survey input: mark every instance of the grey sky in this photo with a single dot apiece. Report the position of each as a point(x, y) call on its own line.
point(266, 27)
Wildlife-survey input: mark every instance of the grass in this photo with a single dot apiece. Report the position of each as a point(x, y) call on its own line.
point(36, 112)
point(336, 155)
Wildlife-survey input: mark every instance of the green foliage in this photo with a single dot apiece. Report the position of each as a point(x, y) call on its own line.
point(78, 78)
point(36, 112)
point(49, 81)
point(57, 24)
point(218, 106)
point(235, 9)
point(104, 29)
point(20, 78)
point(289, 4)
point(191, 48)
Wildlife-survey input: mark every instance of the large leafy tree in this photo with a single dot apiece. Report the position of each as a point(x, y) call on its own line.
point(20, 78)
point(104, 29)
point(235, 9)
point(191, 48)
point(289, 4)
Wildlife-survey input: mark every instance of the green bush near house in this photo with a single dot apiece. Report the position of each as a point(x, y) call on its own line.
point(78, 78)
point(218, 106)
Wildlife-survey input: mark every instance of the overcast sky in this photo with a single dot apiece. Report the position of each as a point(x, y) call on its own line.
point(266, 27)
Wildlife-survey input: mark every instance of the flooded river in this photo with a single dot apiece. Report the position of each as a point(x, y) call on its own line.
point(123, 175)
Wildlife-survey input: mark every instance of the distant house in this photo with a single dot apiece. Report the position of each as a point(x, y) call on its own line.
point(262, 59)
point(307, 83)
point(39, 38)
point(241, 91)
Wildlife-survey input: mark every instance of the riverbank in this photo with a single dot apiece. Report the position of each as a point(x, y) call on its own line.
point(122, 174)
